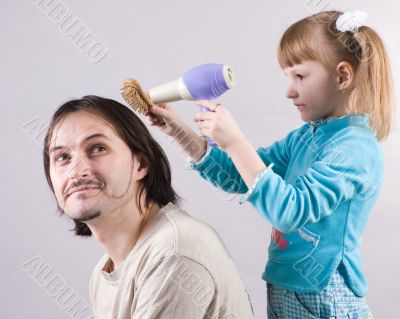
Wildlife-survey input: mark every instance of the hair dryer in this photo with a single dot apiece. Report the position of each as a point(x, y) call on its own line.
point(203, 82)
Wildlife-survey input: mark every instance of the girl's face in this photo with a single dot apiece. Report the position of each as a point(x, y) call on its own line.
point(314, 91)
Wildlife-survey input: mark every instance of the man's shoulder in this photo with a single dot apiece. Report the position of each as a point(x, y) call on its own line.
point(184, 235)
point(179, 229)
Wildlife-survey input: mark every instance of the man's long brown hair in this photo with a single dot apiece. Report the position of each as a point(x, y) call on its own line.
point(156, 185)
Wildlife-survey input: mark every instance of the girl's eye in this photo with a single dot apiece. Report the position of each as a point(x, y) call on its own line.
point(299, 76)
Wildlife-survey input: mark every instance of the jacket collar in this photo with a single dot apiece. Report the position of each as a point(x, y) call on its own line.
point(354, 119)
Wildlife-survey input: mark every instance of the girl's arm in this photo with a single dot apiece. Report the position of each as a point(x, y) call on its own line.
point(222, 128)
point(246, 160)
point(169, 122)
point(339, 175)
point(216, 167)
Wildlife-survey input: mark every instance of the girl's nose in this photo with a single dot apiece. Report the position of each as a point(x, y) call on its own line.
point(291, 93)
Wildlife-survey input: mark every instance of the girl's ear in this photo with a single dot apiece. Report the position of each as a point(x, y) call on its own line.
point(345, 75)
point(140, 167)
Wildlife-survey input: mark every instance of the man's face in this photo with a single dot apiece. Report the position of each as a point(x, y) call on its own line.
point(92, 169)
point(313, 90)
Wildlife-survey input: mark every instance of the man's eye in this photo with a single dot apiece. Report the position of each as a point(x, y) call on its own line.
point(61, 157)
point(97, 149)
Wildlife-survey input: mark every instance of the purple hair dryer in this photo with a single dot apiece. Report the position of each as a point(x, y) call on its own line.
point(203, 82)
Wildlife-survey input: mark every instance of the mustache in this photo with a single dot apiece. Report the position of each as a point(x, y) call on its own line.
point(96, 182)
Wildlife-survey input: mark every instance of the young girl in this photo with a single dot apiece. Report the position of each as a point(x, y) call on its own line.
point(318, 185)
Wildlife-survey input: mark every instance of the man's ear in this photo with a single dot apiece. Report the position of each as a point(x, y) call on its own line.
point(140, 167)
point(345, 75)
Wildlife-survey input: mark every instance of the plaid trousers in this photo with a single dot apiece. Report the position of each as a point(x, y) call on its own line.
point(335, 301)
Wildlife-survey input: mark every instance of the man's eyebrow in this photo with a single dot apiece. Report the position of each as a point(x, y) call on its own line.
point(90, 137)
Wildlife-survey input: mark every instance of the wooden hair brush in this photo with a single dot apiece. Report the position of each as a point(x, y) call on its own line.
point(134, 95)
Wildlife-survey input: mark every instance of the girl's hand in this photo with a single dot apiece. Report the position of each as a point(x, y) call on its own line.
point(165, 118)
point(170, 123)
point(218, 125)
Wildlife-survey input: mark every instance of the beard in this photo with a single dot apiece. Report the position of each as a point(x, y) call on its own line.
point(87, 215)
point(83, 212)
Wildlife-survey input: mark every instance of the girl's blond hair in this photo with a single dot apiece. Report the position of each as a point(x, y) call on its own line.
point(317, 38)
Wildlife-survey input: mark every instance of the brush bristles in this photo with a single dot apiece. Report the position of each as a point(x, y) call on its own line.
point(134, 95)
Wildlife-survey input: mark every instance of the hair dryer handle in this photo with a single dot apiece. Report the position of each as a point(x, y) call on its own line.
point(210, 142)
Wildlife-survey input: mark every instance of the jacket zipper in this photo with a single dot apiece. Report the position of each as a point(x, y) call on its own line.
point(316, 124)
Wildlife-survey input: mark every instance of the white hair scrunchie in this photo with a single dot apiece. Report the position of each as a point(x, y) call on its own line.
point(351, 21)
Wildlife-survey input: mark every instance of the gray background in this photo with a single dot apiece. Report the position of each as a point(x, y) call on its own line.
point(154, 41)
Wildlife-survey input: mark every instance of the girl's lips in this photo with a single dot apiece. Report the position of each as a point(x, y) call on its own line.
point(300, 106)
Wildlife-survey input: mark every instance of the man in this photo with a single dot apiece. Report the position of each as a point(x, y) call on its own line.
point(114, 181)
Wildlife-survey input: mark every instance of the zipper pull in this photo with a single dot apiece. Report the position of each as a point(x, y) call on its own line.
point(314, 126)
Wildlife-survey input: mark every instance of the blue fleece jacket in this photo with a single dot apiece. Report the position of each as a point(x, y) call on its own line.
point(318, 191)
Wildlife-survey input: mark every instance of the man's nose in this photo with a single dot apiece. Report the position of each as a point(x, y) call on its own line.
point(80, 168)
